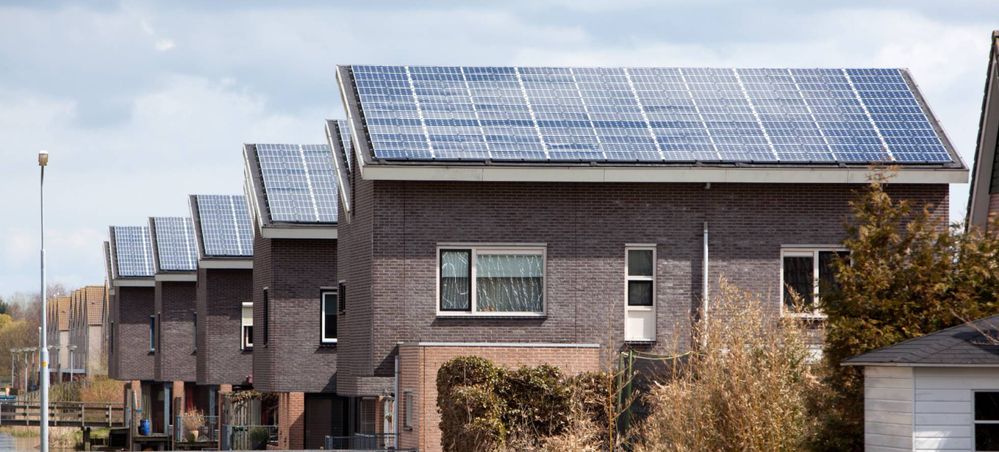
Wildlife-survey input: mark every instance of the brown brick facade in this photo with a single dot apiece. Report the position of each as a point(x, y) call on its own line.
point(131, 358)
point(419, 363)
point(389, 255)
point(175, 352)
point(291, 420)
point(220, 297)
point(294, 271)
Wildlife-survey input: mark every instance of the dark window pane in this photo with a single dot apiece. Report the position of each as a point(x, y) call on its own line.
point(639, 293)
point(456, 280)
point(987, 437)
point(987, 406)
point(509, 282)
point(640, 263)
point(798, 274)
point(827, 271)
point(342, 297)
point(329, 315)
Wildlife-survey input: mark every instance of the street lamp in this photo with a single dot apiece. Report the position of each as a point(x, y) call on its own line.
point(43, 160)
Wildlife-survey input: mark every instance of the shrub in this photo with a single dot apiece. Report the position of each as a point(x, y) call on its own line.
point(536, 400)
point(469, 405)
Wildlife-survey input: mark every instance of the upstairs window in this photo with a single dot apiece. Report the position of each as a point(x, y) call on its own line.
point(641, 276)
point(152, 333)
point(341, 290)
point(491, 280)
point(806, 272)
point(246, 326)
point(329, 310)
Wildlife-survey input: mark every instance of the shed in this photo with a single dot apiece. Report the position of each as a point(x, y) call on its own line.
point(935, 392)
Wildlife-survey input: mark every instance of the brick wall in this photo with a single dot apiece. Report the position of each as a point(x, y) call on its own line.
point(220, 297)
point(132, 359)
point(418, 366)
point(291, 420)
point(294, 271)
point(389, 254)
point(175, 353)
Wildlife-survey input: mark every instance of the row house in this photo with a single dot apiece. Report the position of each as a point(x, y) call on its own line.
point(88, 316)
point(292, 197)
point(563, 215)
point(58, 317)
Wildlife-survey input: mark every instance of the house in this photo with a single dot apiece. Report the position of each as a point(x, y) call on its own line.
point(175, 259)
point(292, 196)
point(132, 342)
point(562, 215)
point(935, 392)
point(983, 201)
point(58, 330)
point(224, 240)
point(87, 331)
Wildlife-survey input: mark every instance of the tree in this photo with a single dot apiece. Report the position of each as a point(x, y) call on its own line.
point(908, 274)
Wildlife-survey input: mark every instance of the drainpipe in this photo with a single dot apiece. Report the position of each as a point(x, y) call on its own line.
point(395, 403)
point(704, 289)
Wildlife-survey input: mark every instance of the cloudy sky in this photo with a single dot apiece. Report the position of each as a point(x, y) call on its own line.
point(141, 103)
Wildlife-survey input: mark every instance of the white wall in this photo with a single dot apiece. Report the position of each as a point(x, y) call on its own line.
point(888, 394)
point(944, 406)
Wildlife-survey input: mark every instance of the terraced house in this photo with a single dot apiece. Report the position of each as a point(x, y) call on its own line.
point(293, 201)
point(562, 215)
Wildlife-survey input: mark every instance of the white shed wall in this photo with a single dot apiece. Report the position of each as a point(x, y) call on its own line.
point(944, 404)
point(888, 396)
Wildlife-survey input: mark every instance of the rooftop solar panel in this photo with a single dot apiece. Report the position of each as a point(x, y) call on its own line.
point(298, 182)
point(347, 148)
point(132, 251)
point(175, 245)
point(645, 115)
point(224, 222)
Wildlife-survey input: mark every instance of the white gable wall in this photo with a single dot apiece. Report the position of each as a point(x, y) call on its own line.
point(888, 394)
point(944, 404)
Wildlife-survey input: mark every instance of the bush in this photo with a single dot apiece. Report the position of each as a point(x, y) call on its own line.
point(746, 389)
point(469, 405)
point(536, 400)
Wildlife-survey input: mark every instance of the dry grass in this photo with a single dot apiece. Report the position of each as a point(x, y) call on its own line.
point(746, 389)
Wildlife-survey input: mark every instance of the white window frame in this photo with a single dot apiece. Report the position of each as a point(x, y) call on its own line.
point(322, 310)
point(806, 251)
point(408, 410)
point(477, 249)
point(243, 344)
point(975, 422)
point(627, 277)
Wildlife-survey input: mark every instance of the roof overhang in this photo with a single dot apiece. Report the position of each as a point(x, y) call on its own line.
point(236, 264)
point(689, 174)
point(143, 282)
point(985, 147)
point(298, 232)
point(186, 276)
point(876, 364)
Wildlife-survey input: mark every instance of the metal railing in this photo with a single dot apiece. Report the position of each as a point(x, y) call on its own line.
point(247, 437)
point(207, 432)
point(73, 414)
point(362, 441)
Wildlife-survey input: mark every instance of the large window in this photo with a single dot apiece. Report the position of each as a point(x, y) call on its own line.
point(246, 326)
point(330, 307)
point(987, 421)
point(491, 280)
point(805, 273)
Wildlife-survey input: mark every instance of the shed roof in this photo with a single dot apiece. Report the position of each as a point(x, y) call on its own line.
point(974, 344)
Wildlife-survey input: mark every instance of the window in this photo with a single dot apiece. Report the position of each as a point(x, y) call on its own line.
point(152, 333)
point(263, 309)
point(329, 308)
point(111, 338)
point(366, 415)
point(491, 281)
point(641, 276)
point(805, 273)
point(986, 420)
point(409, 410)
point(341, 290)
point(195, 330)
point(246, 326)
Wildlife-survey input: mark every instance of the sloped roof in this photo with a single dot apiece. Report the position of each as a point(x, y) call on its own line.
point(966, 345)
point(62, 315)
point(94, 296)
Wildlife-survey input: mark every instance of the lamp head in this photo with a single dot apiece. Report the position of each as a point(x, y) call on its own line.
point(43, 158)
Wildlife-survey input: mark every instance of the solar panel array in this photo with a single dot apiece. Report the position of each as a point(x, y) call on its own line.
point(133, 251)
point(298, 182)
point(347, 148)
point(225, 225)
point(540, 114)
point(176, 246)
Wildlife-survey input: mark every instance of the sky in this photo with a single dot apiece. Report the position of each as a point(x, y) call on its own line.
point(142, 103)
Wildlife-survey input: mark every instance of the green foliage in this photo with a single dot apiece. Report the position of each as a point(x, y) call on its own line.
point(908, 275)
point(259, 437)
point(470, 408)
point(536, 399)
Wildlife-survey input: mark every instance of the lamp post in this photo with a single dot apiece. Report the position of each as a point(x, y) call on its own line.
point(43, 160)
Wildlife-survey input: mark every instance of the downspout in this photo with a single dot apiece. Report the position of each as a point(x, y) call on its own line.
point(704, 290)
point(395, 402)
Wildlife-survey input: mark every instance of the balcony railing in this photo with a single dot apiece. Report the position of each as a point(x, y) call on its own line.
point(362, 441)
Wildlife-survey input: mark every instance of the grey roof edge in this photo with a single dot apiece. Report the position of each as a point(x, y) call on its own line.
point(335, 142)
point(196, 218)
point(927, 340)
point(978, 199)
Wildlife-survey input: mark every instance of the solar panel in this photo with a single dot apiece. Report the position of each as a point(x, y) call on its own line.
point(347, 148)
point(298, 182)
point(550, 114)
point(176, 247)
point(132, 251)
point(225, 225)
